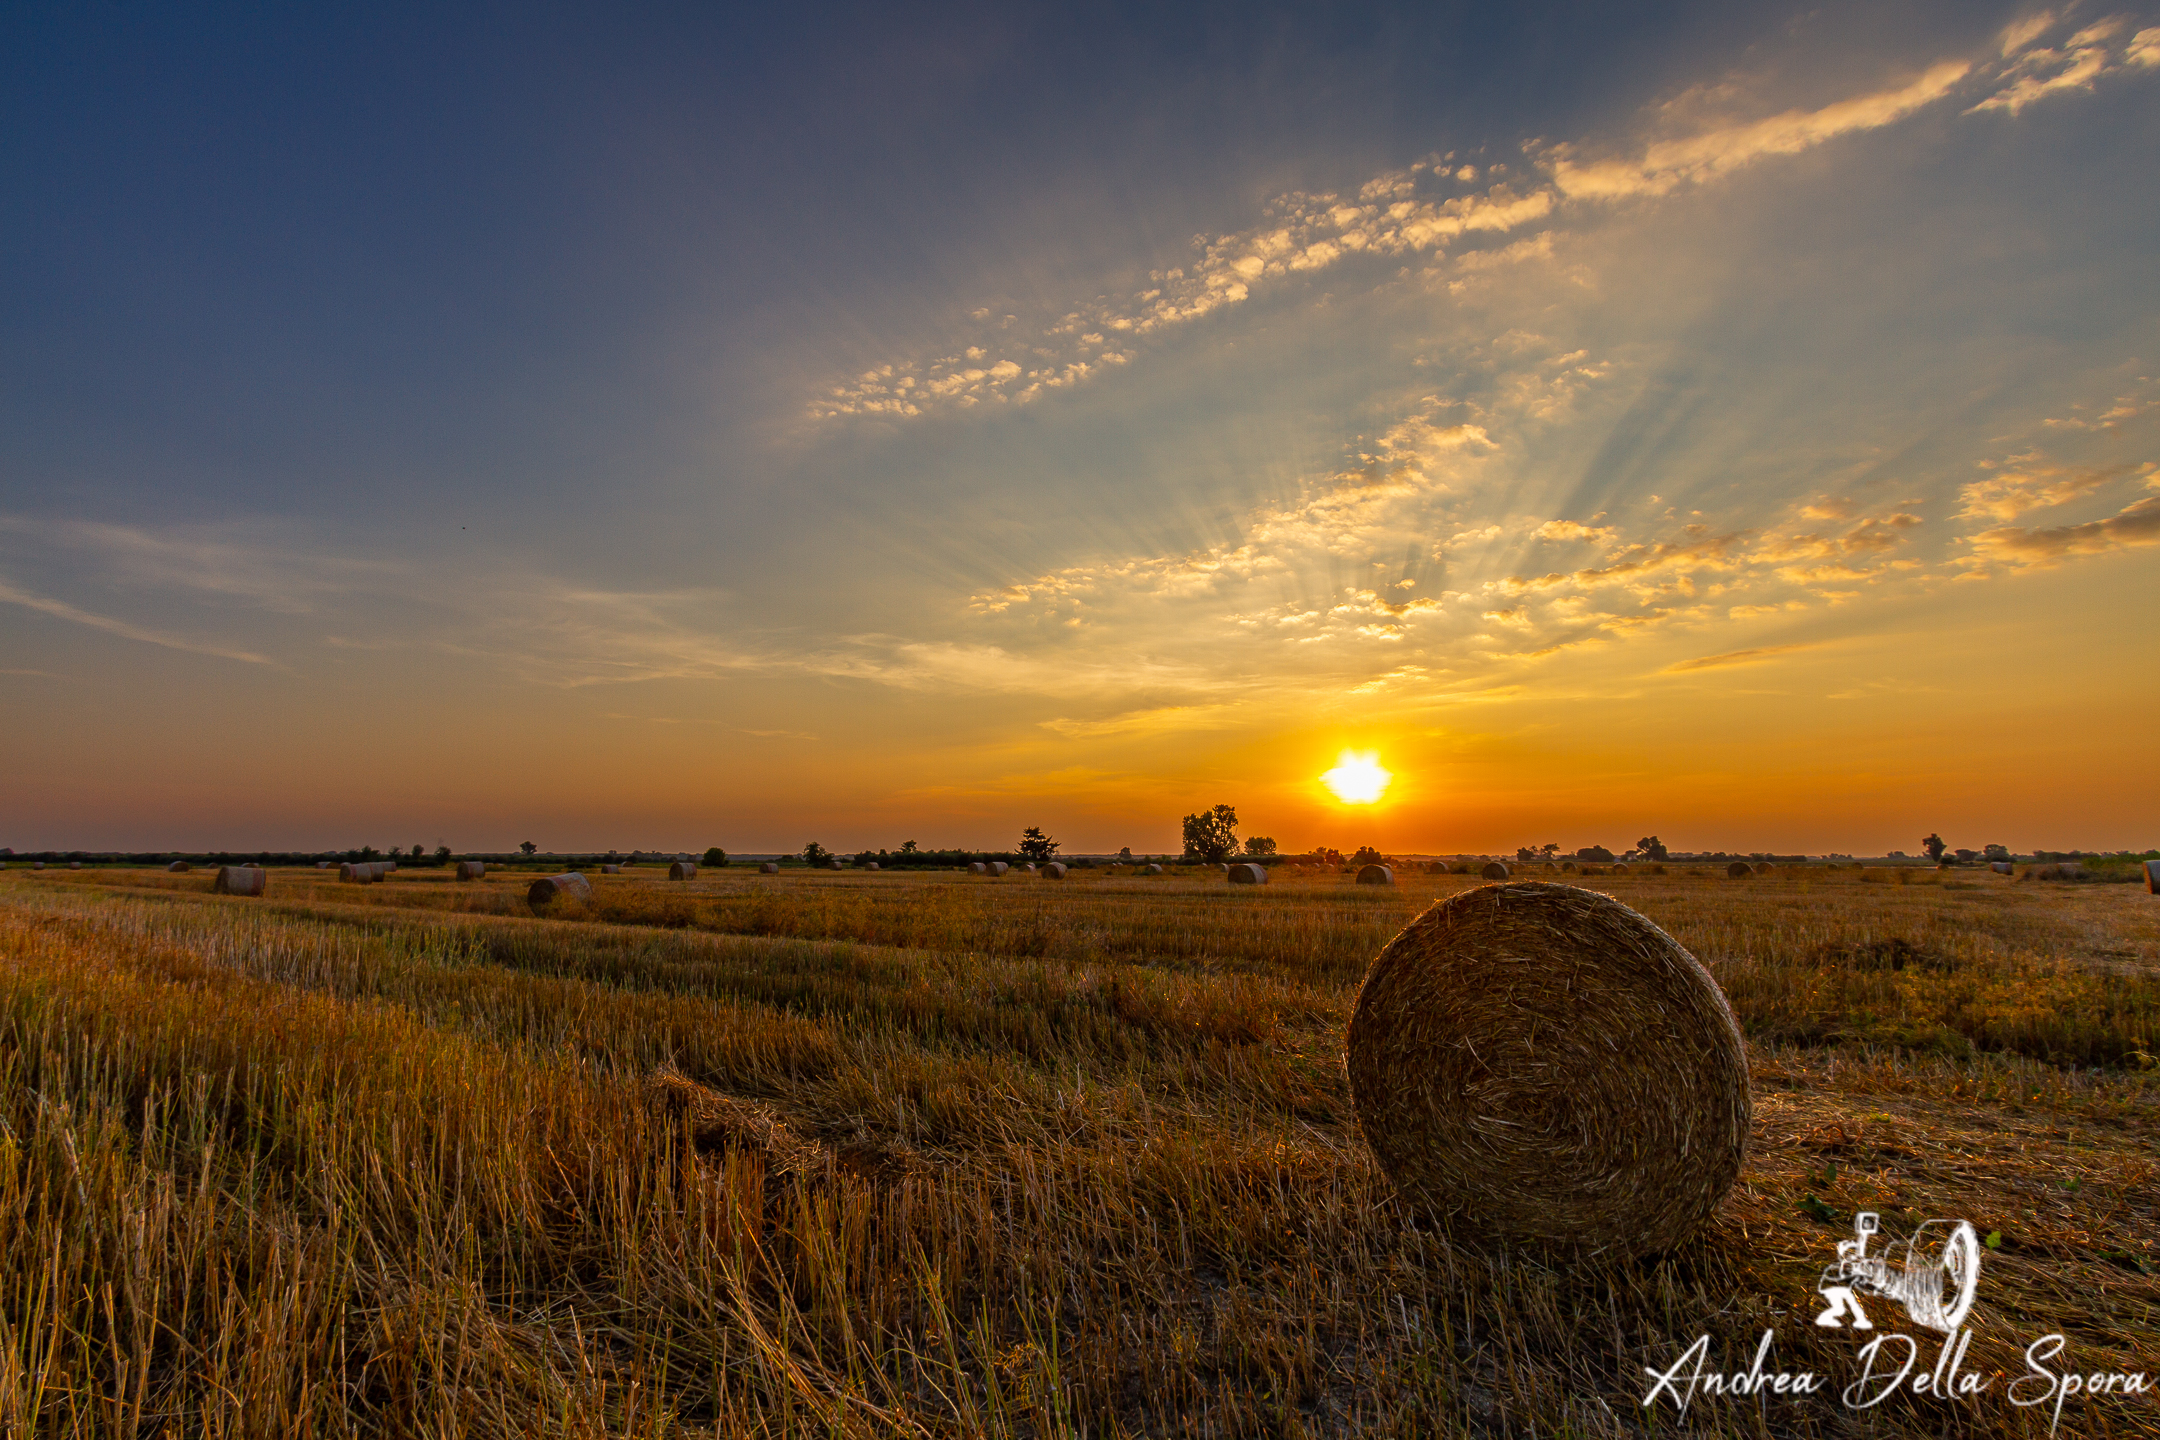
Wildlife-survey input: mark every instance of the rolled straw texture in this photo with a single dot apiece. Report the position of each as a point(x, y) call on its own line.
point(770, 867)
point(240, 880)
point(1494, 870)
point(1739, 868)
point(1376, 875)
point(1257, 874)
point(682, 870)
point(471, 869)
point(1536, 1063)
point(1055, 870)
point(179, 867)
point(543, 890)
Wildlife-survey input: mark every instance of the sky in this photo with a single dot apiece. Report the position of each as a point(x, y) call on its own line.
point(649, 427)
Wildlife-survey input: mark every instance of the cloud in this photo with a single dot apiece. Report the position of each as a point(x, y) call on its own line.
point(1158, 721)
point(2035, 74)
point(1668, 164)
point(1757, 656)
point(61, 610)
point(268, 566)
point(2135, 524)
point(2033, 486)
point(2144, 48)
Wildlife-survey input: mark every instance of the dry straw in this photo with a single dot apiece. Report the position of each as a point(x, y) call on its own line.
point(1055, 870)
point(997, 867)
point(1738, 868)
point(1537, 1063)
point(977, 867)
point(770, 867)
point(471, 869)
point(1494, 870)
point(1257, 874)
point(239, 880)
point(682, 870)
point(1376, 875)
point(544, 890)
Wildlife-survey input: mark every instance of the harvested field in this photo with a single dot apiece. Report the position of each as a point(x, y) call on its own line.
point(866, 1154)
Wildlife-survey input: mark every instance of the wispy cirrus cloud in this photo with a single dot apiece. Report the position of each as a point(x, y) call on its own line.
point(111, 625)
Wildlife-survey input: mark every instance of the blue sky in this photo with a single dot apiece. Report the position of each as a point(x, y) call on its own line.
point(633, 429)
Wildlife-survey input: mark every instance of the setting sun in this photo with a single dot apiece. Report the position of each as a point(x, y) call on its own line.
point(1357, 779)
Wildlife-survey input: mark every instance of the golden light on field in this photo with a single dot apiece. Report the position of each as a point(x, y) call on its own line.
point(1357, 778)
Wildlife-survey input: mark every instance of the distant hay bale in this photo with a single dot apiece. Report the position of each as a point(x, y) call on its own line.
point(682, 870)
point(384, 869)
point(179, 867)
point(1055, 870)
point(389, 867)
point(1257, 874)
point(1657, 869)
point(1738, 868)
point(1764, 868)
point(1567, 867)
point(471, 869)
point(2002, 867)
point(611, 869)
point(1376, 875)
point(544, 890)
point(1537, 1063)
point(770, 867)
point(1152, 870)
point(323, 864)
point(977, 867)
point(74, 864)
point(1494, 870)
point(836, 864)
point(37, 864)
point(870, 865)
point(1460, 867)
point(1620, 868)
point(240, 880)
point(1551, 869)
point(997, 867)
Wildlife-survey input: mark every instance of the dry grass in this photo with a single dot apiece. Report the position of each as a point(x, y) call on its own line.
point(853, 1154)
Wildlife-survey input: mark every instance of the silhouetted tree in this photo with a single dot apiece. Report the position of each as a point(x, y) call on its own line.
point(1652, 848)
point(814, 854)
point(715, 857)
point(442, 853)
point(529, 848)
point(1934, 846)
point(1036, 846)
point(1211, 836)
point(1260, 845)
point(909, 847)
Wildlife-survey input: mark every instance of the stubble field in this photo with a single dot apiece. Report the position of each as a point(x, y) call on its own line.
point(861, 1154)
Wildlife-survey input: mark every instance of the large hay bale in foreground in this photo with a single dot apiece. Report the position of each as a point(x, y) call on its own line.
point(179, 867)
point(682, 870)
point(471, 869)
point(1055, 870)
point(1537, 1063)
point(1494, 870)
point(1738, 868)
point(770, 867)
point(571, 885)
point(1376, 875)
point(1253, 874)
point(2152, 877)
point(240, 880)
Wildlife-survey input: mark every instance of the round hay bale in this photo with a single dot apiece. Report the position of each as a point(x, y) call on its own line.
point(1567, 867)
point(322, 864)
point(682, 870)
point(240, 880)
point(37, 864)
point(1376, 875)
point(471, 869)
point(179, 867)
point(389, 867)
point(1657, 869)
point(543, 890)
point(1737, 869)
point(611, 869)
point(1551, 869)
point(2002, 867)
point(870, 865)
point(74, 864)
point(977, 867)
point(997, 867)
point(1055, 870)
point(1494, 870)
point(770, 867)
point(836, 864)
point(1620, 868)
point(1257, 874)
point(1460, 867)
point(2152, 877)
point(1537, 1063)
point(1152, 870)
